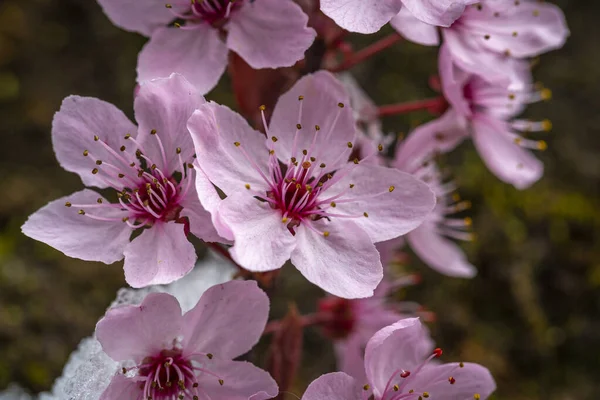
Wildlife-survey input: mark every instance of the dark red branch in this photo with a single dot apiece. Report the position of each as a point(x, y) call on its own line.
point(367, 52)
point(435, 105)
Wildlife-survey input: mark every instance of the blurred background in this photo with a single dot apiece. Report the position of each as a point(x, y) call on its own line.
point(531, 315)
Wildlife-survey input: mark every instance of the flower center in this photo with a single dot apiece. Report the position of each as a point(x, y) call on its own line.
point(215, 11)
point(340, 319)
point(146, 192)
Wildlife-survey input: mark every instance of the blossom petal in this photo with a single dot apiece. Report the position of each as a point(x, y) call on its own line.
point(333, 386)
point(137, 16)
point(440, 253)
point(322, 93)
point(386, 202)
point(414, 29)
point(469, 380)
point(200, 220)
point(77, 235)
point(210, 200)
point(227, 321)
point(270, 33)
point(164, 106)
point(241, 381)
point(121, 388)
point(438, 136)
point(437, 12)
point(508, 161)
point(403, 345)
point(215, 129)
point(198, 54)
point(345, 263)
point(74, 129)
point(160, 255)
point(454, 80)
point(362, 16)
point(136, 332)
point(262, 241)
point(526, 29)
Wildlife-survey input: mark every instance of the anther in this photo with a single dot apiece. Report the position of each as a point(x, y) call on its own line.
point(153, 132)
point(451, 380)
point(461, 364)
point(349, 145)
point(366, 214)
point(168, 6)
point(68, 204)
point(391, 188)
point(221, 382)
point(468, 221)
point(547, 125)
point(542, 145)
point(396, 388)
point(127, 136)
point(125, 219)
point(237, 144)
point(300, 98)
point(351, 185)
point(284, 220)
point(305, 152)
point(366, 387)
point(124, 370)
point(438, 352)
point(515, 34)
point(317, 128)
point(546, 94)
point(178, 150)
point(274, 139)
point(306, 164)
point(153, 167)
point(190, 166)
point(322, 165)
point(355, 161)
point(247, 186)
point(341, 105)
point(326, 233)
point(98, 162)
point(426, 394)
point(122, 148)
point(96, 138)
point(380, 147)
point(85, 153)
point(293, 159)
point(95, 171)
point(262, 107)
point(313, 159)
point(332, 204)
point(99, 200)
point(477, 396)
point(298, 126)
point(81, 212)
point(487, 37)
point(195, 384)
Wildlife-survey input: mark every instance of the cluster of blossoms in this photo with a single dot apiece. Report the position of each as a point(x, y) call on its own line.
point(313, 184)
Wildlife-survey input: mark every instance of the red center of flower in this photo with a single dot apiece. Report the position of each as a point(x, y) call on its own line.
point(146, 192)
point(338, 317)
point(215, 11)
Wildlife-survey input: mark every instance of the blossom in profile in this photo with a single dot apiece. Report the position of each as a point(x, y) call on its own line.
point(431, 241)
point(487, 113)
point(294, 195)
point(398, 365)
point(368, 16)
point(493, 38)
point(166, 355)
point(149, 169)
point(265, 33)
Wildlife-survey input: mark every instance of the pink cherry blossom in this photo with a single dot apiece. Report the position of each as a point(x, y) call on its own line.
point(368, 16)
point(265, 33)
point(165, 355)
point(493, 37)
point(148, 167)
point(487, 111)
point(294, 195)
point(351, 323)
point(398, 366)
point(429, 240)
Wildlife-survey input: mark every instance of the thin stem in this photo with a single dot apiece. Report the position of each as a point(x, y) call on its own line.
point(431, 105)
point(367, 52)
point(305, 320)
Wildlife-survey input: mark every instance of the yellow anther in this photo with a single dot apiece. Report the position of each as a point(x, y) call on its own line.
point(542, 145)
point(85, 153)
point(99, 200)
point(262, 107)
point(95, 171)
point(284, 220)
point(178, 150)
point(125, 219)
point(274, 139)
point(177, 25)
point(153, 167)
point(512, 96)
point(237, 144)
point(293, 159)
point(341, 105)
point(326, 233)
point(517, 140)
point(547, 125)
point(271, 152)
point(461, 364)
point(515, 34)
point(546, 94)
point(306, 164)
point(349, 145)
point(305, 152)
point(221, 382)
point(317, 128)
point(168, 6)
point(153, 132)
point(312, 159)
point(127, 136)
point(210, 356)
point(298, 126)
point(468, 221)
point(300, 98)
point(308, 188)
point(332, 204)
point(425, 394)
point(322, 165)
point(190, 166)
point(122, 148)
point(68, 204)
point(355, 161)
point(366, 214)
point(391, 188)
point(351, 185)
point(81, 212)
point(477, 396)
point(124, 370)
point(247, 186)
point(96, 138)
point(396, 388)
point(98, 162)
point(380, 147)
point(366, 387)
